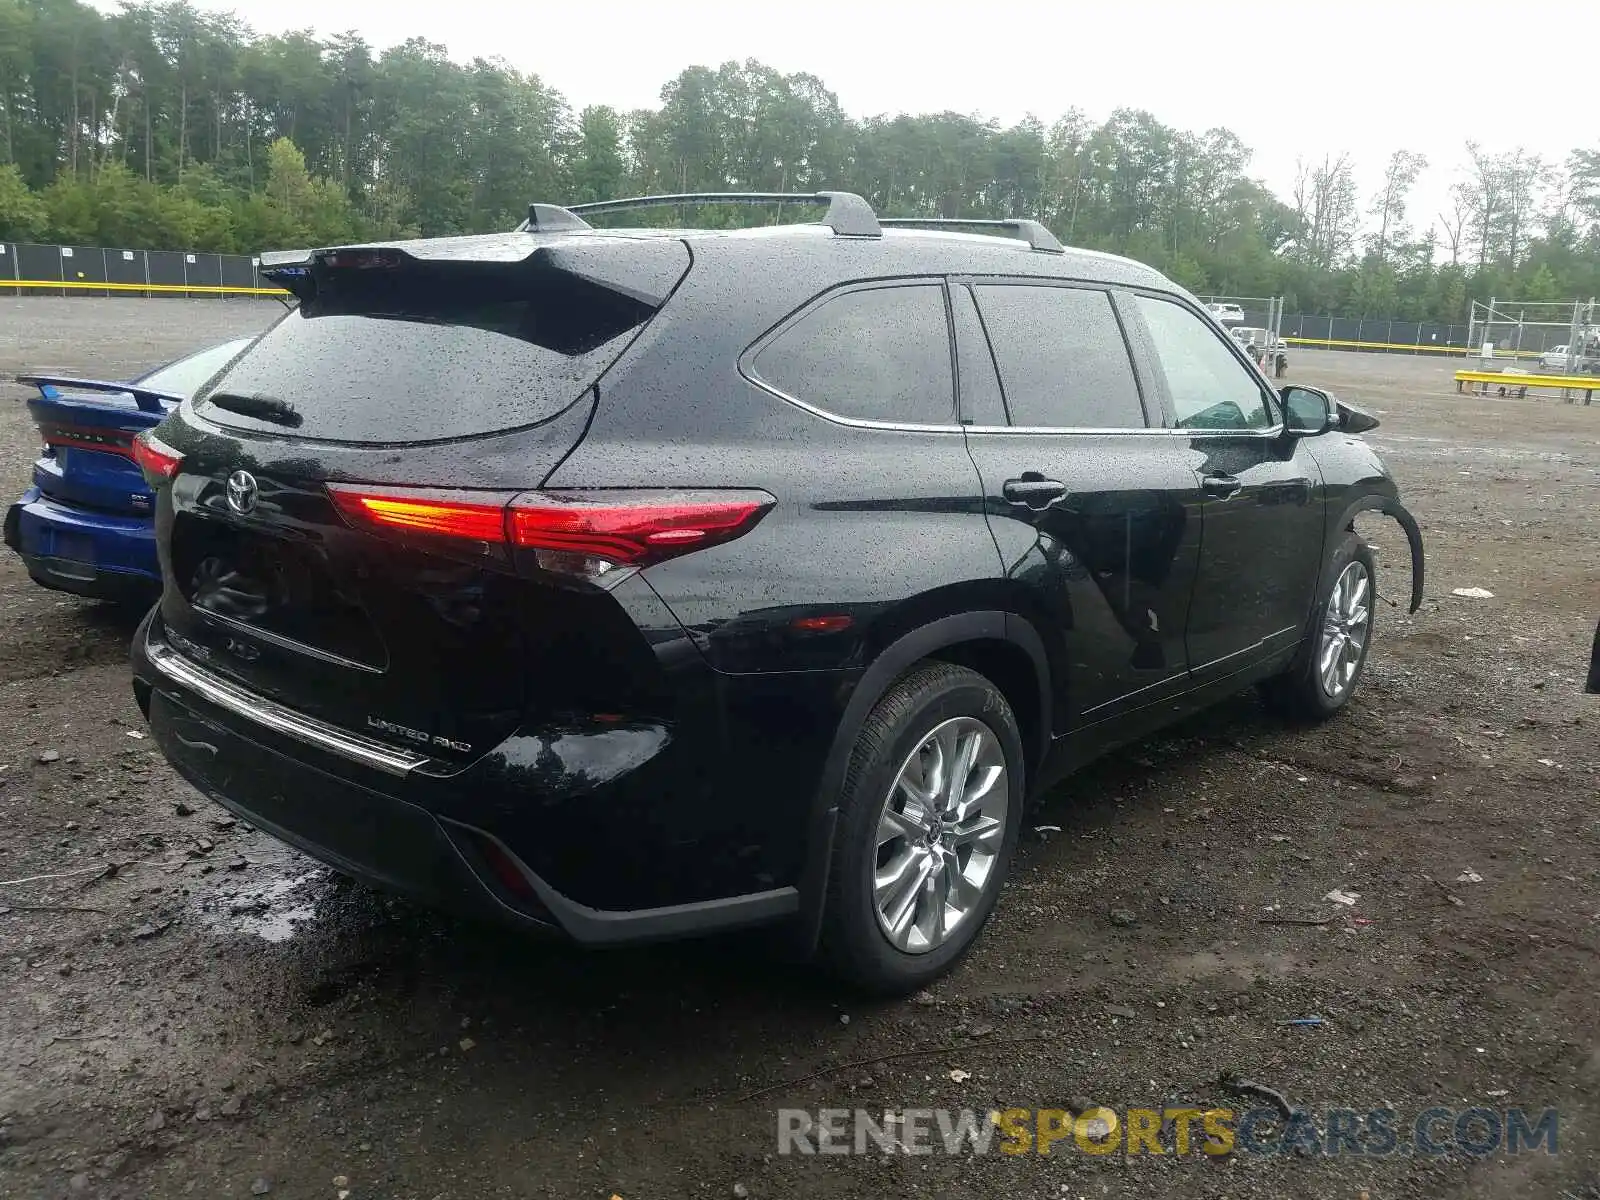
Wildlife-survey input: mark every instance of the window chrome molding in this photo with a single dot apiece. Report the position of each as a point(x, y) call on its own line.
point(1073, 430)
point(1272, 431)
point(1078, 430)
point(944, 427)
point(853, 422)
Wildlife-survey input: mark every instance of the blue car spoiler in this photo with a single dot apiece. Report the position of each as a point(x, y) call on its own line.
point(148, 399)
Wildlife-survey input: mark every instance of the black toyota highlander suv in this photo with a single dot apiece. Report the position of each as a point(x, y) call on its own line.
point(635, 583)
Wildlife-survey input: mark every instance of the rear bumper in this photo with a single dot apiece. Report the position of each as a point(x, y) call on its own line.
point(100, 555)
point(403, 824)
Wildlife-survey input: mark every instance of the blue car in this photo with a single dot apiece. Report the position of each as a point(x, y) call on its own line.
point(86, 525)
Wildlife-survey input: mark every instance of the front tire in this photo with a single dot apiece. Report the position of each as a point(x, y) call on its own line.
point(1325, 672)
point(929, 816)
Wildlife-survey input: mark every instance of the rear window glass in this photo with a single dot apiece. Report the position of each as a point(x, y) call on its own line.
point(425, 355)
point(881, 354)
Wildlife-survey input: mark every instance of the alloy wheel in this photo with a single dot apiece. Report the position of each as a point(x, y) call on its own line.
point(940, 833)
point(1344, 631)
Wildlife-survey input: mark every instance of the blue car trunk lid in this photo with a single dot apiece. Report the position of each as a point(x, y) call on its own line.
point(88, 427)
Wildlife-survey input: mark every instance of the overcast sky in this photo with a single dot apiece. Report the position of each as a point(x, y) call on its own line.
point(1291, 79)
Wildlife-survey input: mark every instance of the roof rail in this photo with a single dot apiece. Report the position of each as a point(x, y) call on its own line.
point(1035, 234)
point(547, 218)
point(848, 214)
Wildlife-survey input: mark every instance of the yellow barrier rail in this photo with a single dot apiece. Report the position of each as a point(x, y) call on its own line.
point(1305, 341)
point(1519, 384)
point(85, 285)
point(1423, 347)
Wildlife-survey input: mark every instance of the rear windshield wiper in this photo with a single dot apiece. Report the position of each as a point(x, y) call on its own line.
point(263, 408)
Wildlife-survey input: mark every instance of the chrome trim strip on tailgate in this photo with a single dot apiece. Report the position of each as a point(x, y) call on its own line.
point(277, 718)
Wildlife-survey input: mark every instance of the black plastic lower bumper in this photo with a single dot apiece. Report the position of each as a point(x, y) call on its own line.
point(375, 838)
point(384, 839)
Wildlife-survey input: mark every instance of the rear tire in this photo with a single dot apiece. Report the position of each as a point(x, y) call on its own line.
point(929, 815)
point(1333, 653)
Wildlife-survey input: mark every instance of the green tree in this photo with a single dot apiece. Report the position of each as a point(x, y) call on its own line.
point(1541, 285)
point(599, 171)
point(23, 215)
point(168, 125)
point(302, 209)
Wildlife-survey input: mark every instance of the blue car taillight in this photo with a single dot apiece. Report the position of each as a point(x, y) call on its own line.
point(107, 441)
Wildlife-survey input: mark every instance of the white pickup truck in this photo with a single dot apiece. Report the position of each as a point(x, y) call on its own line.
point(1585, 362)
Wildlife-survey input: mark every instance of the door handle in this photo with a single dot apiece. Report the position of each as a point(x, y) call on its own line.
point(1033, 490)
point(1220, 487)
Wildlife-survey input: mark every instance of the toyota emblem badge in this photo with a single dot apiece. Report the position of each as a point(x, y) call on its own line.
point(242, 492)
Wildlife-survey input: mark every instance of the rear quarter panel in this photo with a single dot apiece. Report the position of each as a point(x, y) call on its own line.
point(882, 527)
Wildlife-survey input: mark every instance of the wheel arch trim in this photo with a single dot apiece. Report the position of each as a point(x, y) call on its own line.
point(1390, 506)
point(889, 665)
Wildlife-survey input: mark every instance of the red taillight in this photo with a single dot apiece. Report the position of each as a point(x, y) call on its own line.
point(831, 623)
point(582, 533)
point(422, 512)
point(505, 869)
point(156, 459)
point(632, 527)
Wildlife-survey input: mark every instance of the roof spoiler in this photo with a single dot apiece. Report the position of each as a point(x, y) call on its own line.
point(647, 273)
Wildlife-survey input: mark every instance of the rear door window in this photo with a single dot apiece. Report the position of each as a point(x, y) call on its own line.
point(1061, 355)
point(876, 354)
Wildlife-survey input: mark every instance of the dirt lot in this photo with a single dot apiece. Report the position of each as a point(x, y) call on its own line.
point(222, 1017)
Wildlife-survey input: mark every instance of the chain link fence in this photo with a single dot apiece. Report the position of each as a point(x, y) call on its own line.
point(1384, 336)
point(28, 269)
point(33, 270)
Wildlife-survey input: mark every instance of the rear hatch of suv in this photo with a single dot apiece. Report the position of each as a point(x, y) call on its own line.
point(338, 532)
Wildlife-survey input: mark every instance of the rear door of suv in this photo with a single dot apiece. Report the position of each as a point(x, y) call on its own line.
point(1093, 504)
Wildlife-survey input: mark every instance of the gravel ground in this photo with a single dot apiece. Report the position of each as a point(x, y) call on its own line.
point(220, 1017)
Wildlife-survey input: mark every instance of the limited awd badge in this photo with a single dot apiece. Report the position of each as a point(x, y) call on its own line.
point(242, 492)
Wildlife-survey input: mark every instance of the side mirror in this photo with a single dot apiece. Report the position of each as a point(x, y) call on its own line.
point(1309, 411)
